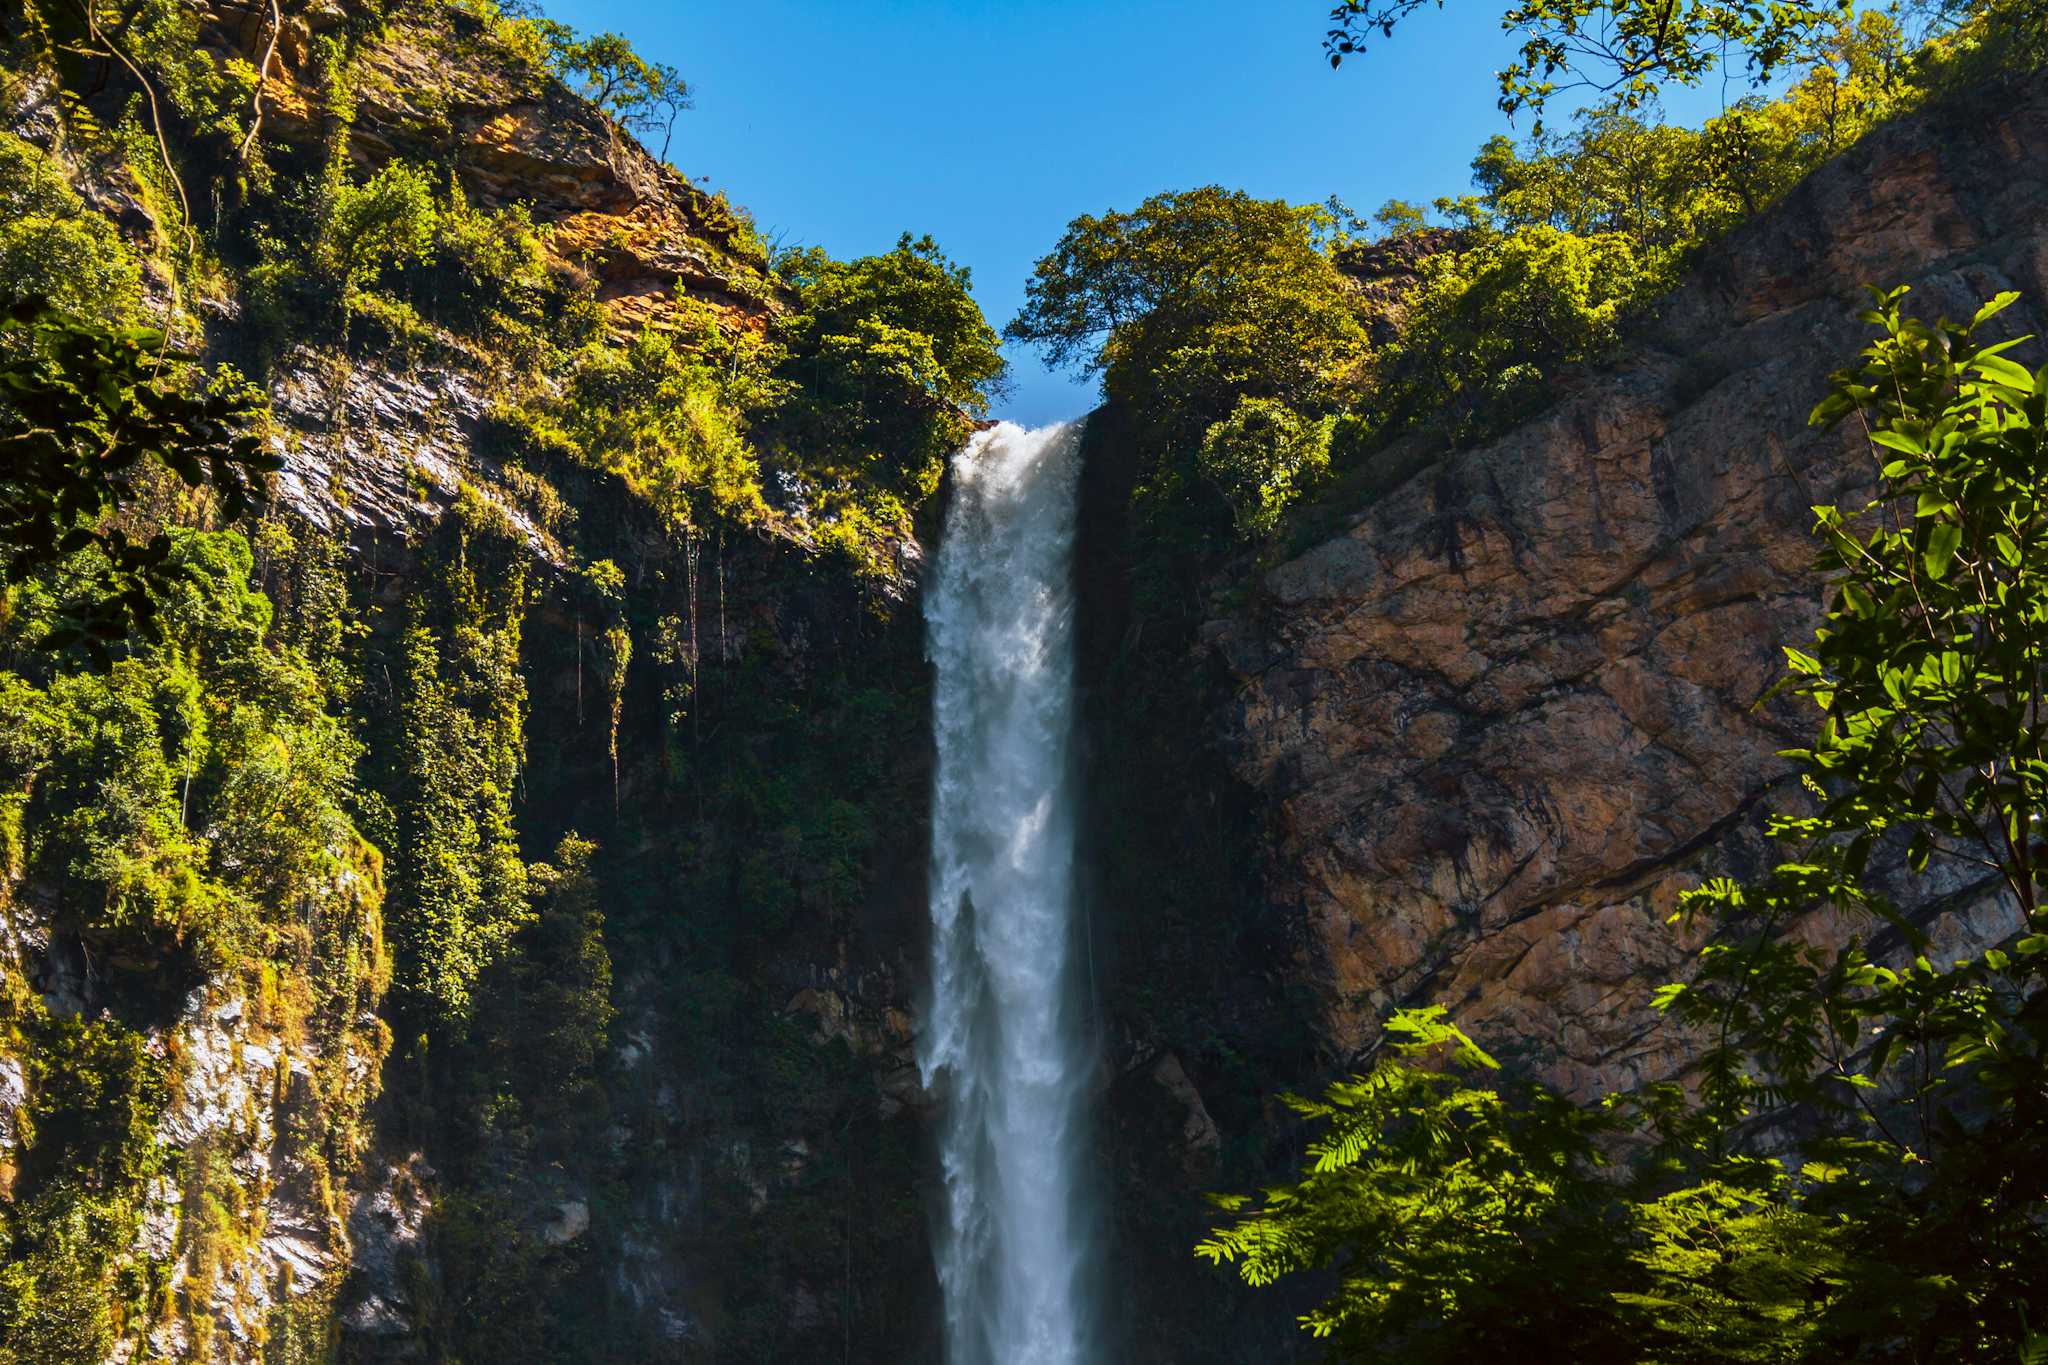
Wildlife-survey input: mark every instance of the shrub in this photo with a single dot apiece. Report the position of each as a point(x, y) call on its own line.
point(52, 246)
point(657, 416)
point(1261, 458)
point(1488, 324)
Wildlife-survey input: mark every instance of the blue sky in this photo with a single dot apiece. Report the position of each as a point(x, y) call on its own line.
point(990, 124)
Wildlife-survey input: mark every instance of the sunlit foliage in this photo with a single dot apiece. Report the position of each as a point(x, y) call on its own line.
point(1192, 301)
point(887, 360)
point(52, 246)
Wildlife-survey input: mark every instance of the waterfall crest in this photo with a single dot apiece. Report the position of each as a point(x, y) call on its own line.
point(1001, 1041)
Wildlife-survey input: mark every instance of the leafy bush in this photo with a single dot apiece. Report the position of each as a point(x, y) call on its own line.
point(194, 782)
point(1262, 457)
point(52, 246)
point(854, 397)
point(658, 416)
point(1994, 44)
point(90, 1150)
point(212, 94)
point(395, 253)
point(887, 357)
point(505, 286)
point(1487, 323)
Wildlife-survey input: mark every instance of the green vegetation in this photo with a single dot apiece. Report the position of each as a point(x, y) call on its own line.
point(88, 412)
point(856, 394)
point(52, 246)
point(1195, 302)
point(746, 790)
point(525, 1106)
point(662, 417)
point(222, 736)
point(887, 359)
point(182, 811)
point(458, 884)
point(1626, 51)
point(641, 96)
point(1260, 456)
point(63, 1288)
point(408, 259)
point(1899, 1214)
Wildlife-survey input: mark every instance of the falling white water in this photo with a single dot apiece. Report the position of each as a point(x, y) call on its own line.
point(1000, 1043)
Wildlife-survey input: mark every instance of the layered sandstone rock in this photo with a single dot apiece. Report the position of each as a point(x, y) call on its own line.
point(1511, 714)
point(435, 88)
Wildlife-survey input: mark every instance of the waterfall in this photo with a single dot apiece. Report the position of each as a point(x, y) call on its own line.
point(1002, 1043)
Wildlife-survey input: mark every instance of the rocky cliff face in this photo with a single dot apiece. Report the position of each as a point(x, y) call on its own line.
point(381, 448)
point(1508, 716)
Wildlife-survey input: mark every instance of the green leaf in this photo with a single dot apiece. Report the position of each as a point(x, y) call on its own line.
point(1997, 304)
point(1943, 540)
point(1999, 370)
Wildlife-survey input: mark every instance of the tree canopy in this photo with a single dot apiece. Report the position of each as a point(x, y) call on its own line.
point(1622, 52)
point(1621, 47)
point(888, 358)
point(1195, 299)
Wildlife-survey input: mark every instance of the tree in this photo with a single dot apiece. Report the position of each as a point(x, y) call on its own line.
point(389, 220)
point(888, 358)
point(1928, 1065)
point(1905, 1215)
point(85, 409)
point(1465, 1216)
point(640, 94)
point(1261, 458)
point(1399, 218)
point(1487, 326)
point(1194, 300)
point(1626, 48)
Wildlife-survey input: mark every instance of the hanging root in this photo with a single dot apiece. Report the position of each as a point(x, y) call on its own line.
point(262, 75)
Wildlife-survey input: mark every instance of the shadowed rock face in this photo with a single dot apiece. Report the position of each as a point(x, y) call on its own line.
point(1511, 714)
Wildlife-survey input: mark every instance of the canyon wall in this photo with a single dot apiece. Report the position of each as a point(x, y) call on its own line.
point(1470, 749)
point(743, 1177)
point(1517, 707)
